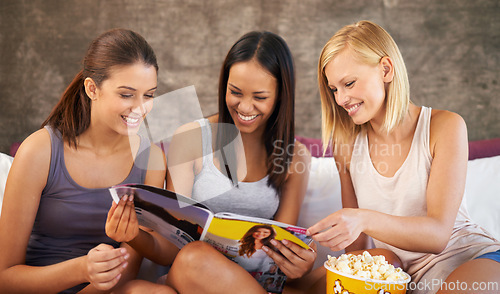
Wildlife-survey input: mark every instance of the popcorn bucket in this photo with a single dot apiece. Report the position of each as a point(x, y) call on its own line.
point(341, 283)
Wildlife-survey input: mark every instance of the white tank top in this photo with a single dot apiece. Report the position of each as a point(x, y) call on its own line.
point(404, 194)
point(216, 191)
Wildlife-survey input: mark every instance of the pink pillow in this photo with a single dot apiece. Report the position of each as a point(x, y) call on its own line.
point(477, 149)
point(13, 148)
point(315, 146)
point(484, 148)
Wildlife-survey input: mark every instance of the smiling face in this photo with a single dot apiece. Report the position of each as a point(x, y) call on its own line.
point(358, 88)
point(261, 234)
point(125, 98)
point(251, 96)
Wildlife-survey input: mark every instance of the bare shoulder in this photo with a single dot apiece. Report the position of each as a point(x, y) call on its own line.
point(156, 151)
point(32, 160)
point(446, 129)
point(446, 123)
point(301, 158)
point(36, 148)
point(444, 120)
point(186, 143)
point(213, 118)
point(157, 159)
point(301, 153)
point(187, 134)
point(191, 126)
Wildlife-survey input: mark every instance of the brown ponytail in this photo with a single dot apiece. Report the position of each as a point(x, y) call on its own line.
point(71, 115)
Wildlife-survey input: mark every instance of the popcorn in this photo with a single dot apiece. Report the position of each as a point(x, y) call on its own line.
point(366, 266)
point(343, 266)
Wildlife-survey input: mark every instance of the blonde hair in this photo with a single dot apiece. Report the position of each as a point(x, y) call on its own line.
point(369, 43)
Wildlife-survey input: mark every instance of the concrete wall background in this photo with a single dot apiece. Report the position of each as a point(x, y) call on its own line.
point(451, 49)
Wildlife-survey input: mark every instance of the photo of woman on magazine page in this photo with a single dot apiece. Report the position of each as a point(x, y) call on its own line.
point(250, 255)
point(253, 258)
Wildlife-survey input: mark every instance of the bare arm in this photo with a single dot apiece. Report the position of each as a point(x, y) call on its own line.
point(349, 200)
point(295, 261)
point(122, 224)
point(295, 186)
point(184, 150)
point(25, 182)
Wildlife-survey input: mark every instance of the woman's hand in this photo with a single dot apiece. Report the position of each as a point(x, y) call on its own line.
point(122, 224)
point(338, 230)
point(295, 261)
point(104, 265)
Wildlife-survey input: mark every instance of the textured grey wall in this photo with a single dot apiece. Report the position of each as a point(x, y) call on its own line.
point(451, 50)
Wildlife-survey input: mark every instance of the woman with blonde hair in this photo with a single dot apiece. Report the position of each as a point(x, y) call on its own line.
point(402, 167)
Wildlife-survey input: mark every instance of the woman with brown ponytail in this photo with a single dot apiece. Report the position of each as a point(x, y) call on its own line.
point(52, 228)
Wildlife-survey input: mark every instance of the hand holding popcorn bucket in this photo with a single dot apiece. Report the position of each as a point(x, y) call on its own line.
point(364, 274)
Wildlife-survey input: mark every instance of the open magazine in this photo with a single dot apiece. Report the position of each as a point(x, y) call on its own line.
point(182, 220)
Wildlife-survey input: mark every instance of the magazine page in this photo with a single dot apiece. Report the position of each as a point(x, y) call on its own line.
point(295, 231)
point(177, 218)
point(242, 241)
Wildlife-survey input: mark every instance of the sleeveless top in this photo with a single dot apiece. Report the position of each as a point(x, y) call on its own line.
point(71, 219)
point(215, 190)
point(404, 194)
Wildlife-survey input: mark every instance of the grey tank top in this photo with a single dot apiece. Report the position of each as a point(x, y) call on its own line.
point(71, 219)
point(215, 190)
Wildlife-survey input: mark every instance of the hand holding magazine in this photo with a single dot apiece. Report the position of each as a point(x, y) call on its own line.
point(240, 238)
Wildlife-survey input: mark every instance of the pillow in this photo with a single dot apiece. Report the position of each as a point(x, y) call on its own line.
point(314, 146)
point(484, 148)
point(482, 195)
point(5, 163)
point(322, 198)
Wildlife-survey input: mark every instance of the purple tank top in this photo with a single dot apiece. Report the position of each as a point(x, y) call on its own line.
point(71, 219)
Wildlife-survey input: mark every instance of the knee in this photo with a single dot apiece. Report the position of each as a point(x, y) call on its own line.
point(194, 255)
point(195, 258)
point(141, 286)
